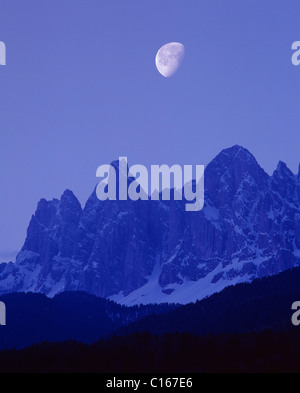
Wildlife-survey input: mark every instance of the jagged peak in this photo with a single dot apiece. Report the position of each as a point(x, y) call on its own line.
point(282, 168)
point(233, 150)
point(239, 153)
point(68, 195)
point(232, 157)
point(231, 154)
point(115, 164)
point(67, 199)
point(44, 203)
point(281, 165)
point(69, 202)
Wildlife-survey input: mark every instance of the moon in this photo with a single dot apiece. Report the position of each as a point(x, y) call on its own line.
point(169, 58)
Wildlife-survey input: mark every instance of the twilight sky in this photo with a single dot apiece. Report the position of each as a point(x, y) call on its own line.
point(81, 89)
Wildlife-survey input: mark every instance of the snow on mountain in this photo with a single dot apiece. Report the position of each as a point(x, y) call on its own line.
point(155, 251)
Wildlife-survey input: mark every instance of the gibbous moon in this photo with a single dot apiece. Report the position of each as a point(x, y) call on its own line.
point(169, 58)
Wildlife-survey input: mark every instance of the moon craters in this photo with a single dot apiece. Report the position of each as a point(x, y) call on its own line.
point(169, 58)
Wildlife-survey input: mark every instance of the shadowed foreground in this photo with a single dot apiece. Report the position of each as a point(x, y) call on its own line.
point(249, 352)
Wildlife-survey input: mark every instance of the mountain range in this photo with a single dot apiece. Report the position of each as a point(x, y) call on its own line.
point(139, 252)
point(246, 308)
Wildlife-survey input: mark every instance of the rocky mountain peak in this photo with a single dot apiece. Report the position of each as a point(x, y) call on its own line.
point(230, 172)
point(283, 170)
point(153, 252)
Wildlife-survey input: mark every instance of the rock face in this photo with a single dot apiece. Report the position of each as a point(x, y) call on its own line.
point(155, 251)
point(45, 259)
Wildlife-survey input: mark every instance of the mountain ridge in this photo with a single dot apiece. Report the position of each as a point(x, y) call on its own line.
point(139, 252)
point(264, 304)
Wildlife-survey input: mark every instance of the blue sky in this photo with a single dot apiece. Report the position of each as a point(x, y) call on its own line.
point(81, 89)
